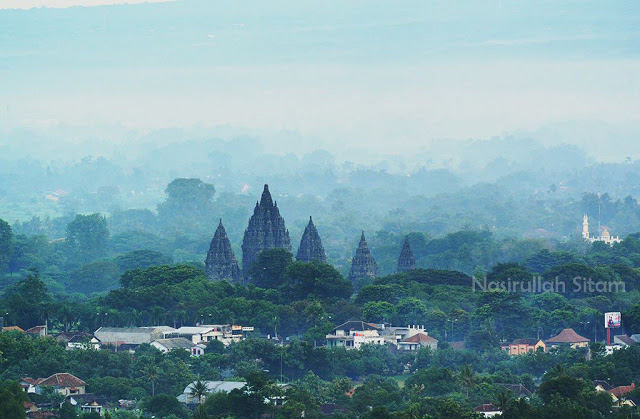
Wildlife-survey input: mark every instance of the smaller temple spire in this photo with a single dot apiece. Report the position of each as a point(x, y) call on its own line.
point(310, 245)
point(363, 264)
point(406, 261)
point(221, 263)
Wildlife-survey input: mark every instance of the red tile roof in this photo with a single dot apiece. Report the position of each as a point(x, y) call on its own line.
point(622, 390)
point(567, 336)
point(30, 380)
point(419, 337)
point(487, 407)
point(8, 328)
point(62, 380)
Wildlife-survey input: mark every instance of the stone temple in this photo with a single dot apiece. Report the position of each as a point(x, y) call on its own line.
point(363, 264)
point(406, 261)
point(221, 263)
point(311, 246)
point(266, 230)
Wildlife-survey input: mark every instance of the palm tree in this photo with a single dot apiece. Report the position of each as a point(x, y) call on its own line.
point(504, 397)
point(199, 389)
point(467, 378)
point(151, 373)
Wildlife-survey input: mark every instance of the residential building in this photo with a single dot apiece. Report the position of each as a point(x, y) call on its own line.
point(417, 341)
point(65, 383)
point(523, 346)
point(132, 335)
point(225, 333)
point(618, 394)
point(83, 341)
point(488, 410)
point(568, 337)
point(37, 331)
point(623, 340)
point(171, 344)
point(354, 334)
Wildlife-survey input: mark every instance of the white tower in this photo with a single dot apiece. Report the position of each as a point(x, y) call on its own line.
point(585, 227)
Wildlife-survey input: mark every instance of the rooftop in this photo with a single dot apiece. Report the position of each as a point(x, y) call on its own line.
point(175, 343)
point(62, 380)
point(419, 337)
point(567, 336)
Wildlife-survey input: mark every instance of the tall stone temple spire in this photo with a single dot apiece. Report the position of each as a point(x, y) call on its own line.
point(311, 245)
point(363, 264)
point(266, 230)
point(406, 261)
point(221, 263)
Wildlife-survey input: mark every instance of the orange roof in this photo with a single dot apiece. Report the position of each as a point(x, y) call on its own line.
point(567, 336)
point(622, 390)
point(6, 329)
point(62, 380)
point(419, 337)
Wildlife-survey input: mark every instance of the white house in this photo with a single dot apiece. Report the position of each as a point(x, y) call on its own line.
point(354, 334)
point(171, 344)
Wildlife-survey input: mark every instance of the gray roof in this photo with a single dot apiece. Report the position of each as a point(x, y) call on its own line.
point(175, 343)
point(145, 330)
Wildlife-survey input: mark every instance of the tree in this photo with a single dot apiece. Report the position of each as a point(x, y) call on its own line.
point(94, 277)
point(151, 373)
point(28, 300)
point(6, 237)
point(467, 378)
point(199, 389)
point(11, 398)
point(303, 280)
point(164, 405)
point(87, 237)
point(268, 270)
point(188, 207)
point(67, 411)
point(141, 259)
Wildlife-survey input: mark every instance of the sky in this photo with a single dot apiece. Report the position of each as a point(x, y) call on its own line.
point(384, 75)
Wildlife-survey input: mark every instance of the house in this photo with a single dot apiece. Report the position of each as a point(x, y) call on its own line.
point(83, 341)
point(623, 340)
point(568, 337)
point(353, 334)
point(225, 333)
point(12, 329)
point(487, 410)
point(395, 334)
point(523, 346)
point(37, 331)
point(417, 341)
point(636, 337)
point(30, 407)
point(602, 385)
point(132, 335)
point(518, 390)
point(214, 387)
point(618, 394)
point(65, 383)
point(171, 344)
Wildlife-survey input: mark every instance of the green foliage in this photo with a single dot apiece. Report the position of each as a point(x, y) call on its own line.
point(86, 238)
point(11, 399)
point(270, 267)
point(314, 280)
point(164, 405)
point(6, 245)
point(94, 277)
point(141, 259)
point(159, 275)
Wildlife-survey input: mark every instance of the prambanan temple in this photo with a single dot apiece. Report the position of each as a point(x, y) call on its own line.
point(266, 230)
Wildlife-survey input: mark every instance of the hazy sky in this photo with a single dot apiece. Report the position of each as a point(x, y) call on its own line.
point(386, 73)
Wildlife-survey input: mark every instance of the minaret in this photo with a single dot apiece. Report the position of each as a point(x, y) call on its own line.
point(406, 261)
point(585, 227)
point(266, 230)
point(221, 263)
point(363, 264)
point(310, 245)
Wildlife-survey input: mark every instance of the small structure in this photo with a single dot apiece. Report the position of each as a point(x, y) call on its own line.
point(64, 383)
point(225, 333)
point(310, 245)
point(568, 337)
point(417, 341)
point(12, 329)
point(488, 410)
point(354, 334)
point(623, 340)
point(618, 394)
point(83, 341)
point(213, 387)
point(132, 335)
point(171, 344)
point(523, 346)
point(37, 331)
point(605, 237)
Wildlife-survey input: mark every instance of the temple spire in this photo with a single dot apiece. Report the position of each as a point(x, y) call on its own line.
point(266, 230)
point(363, 264)
point(310, 245)
point(406, 261)
point(221, 263)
